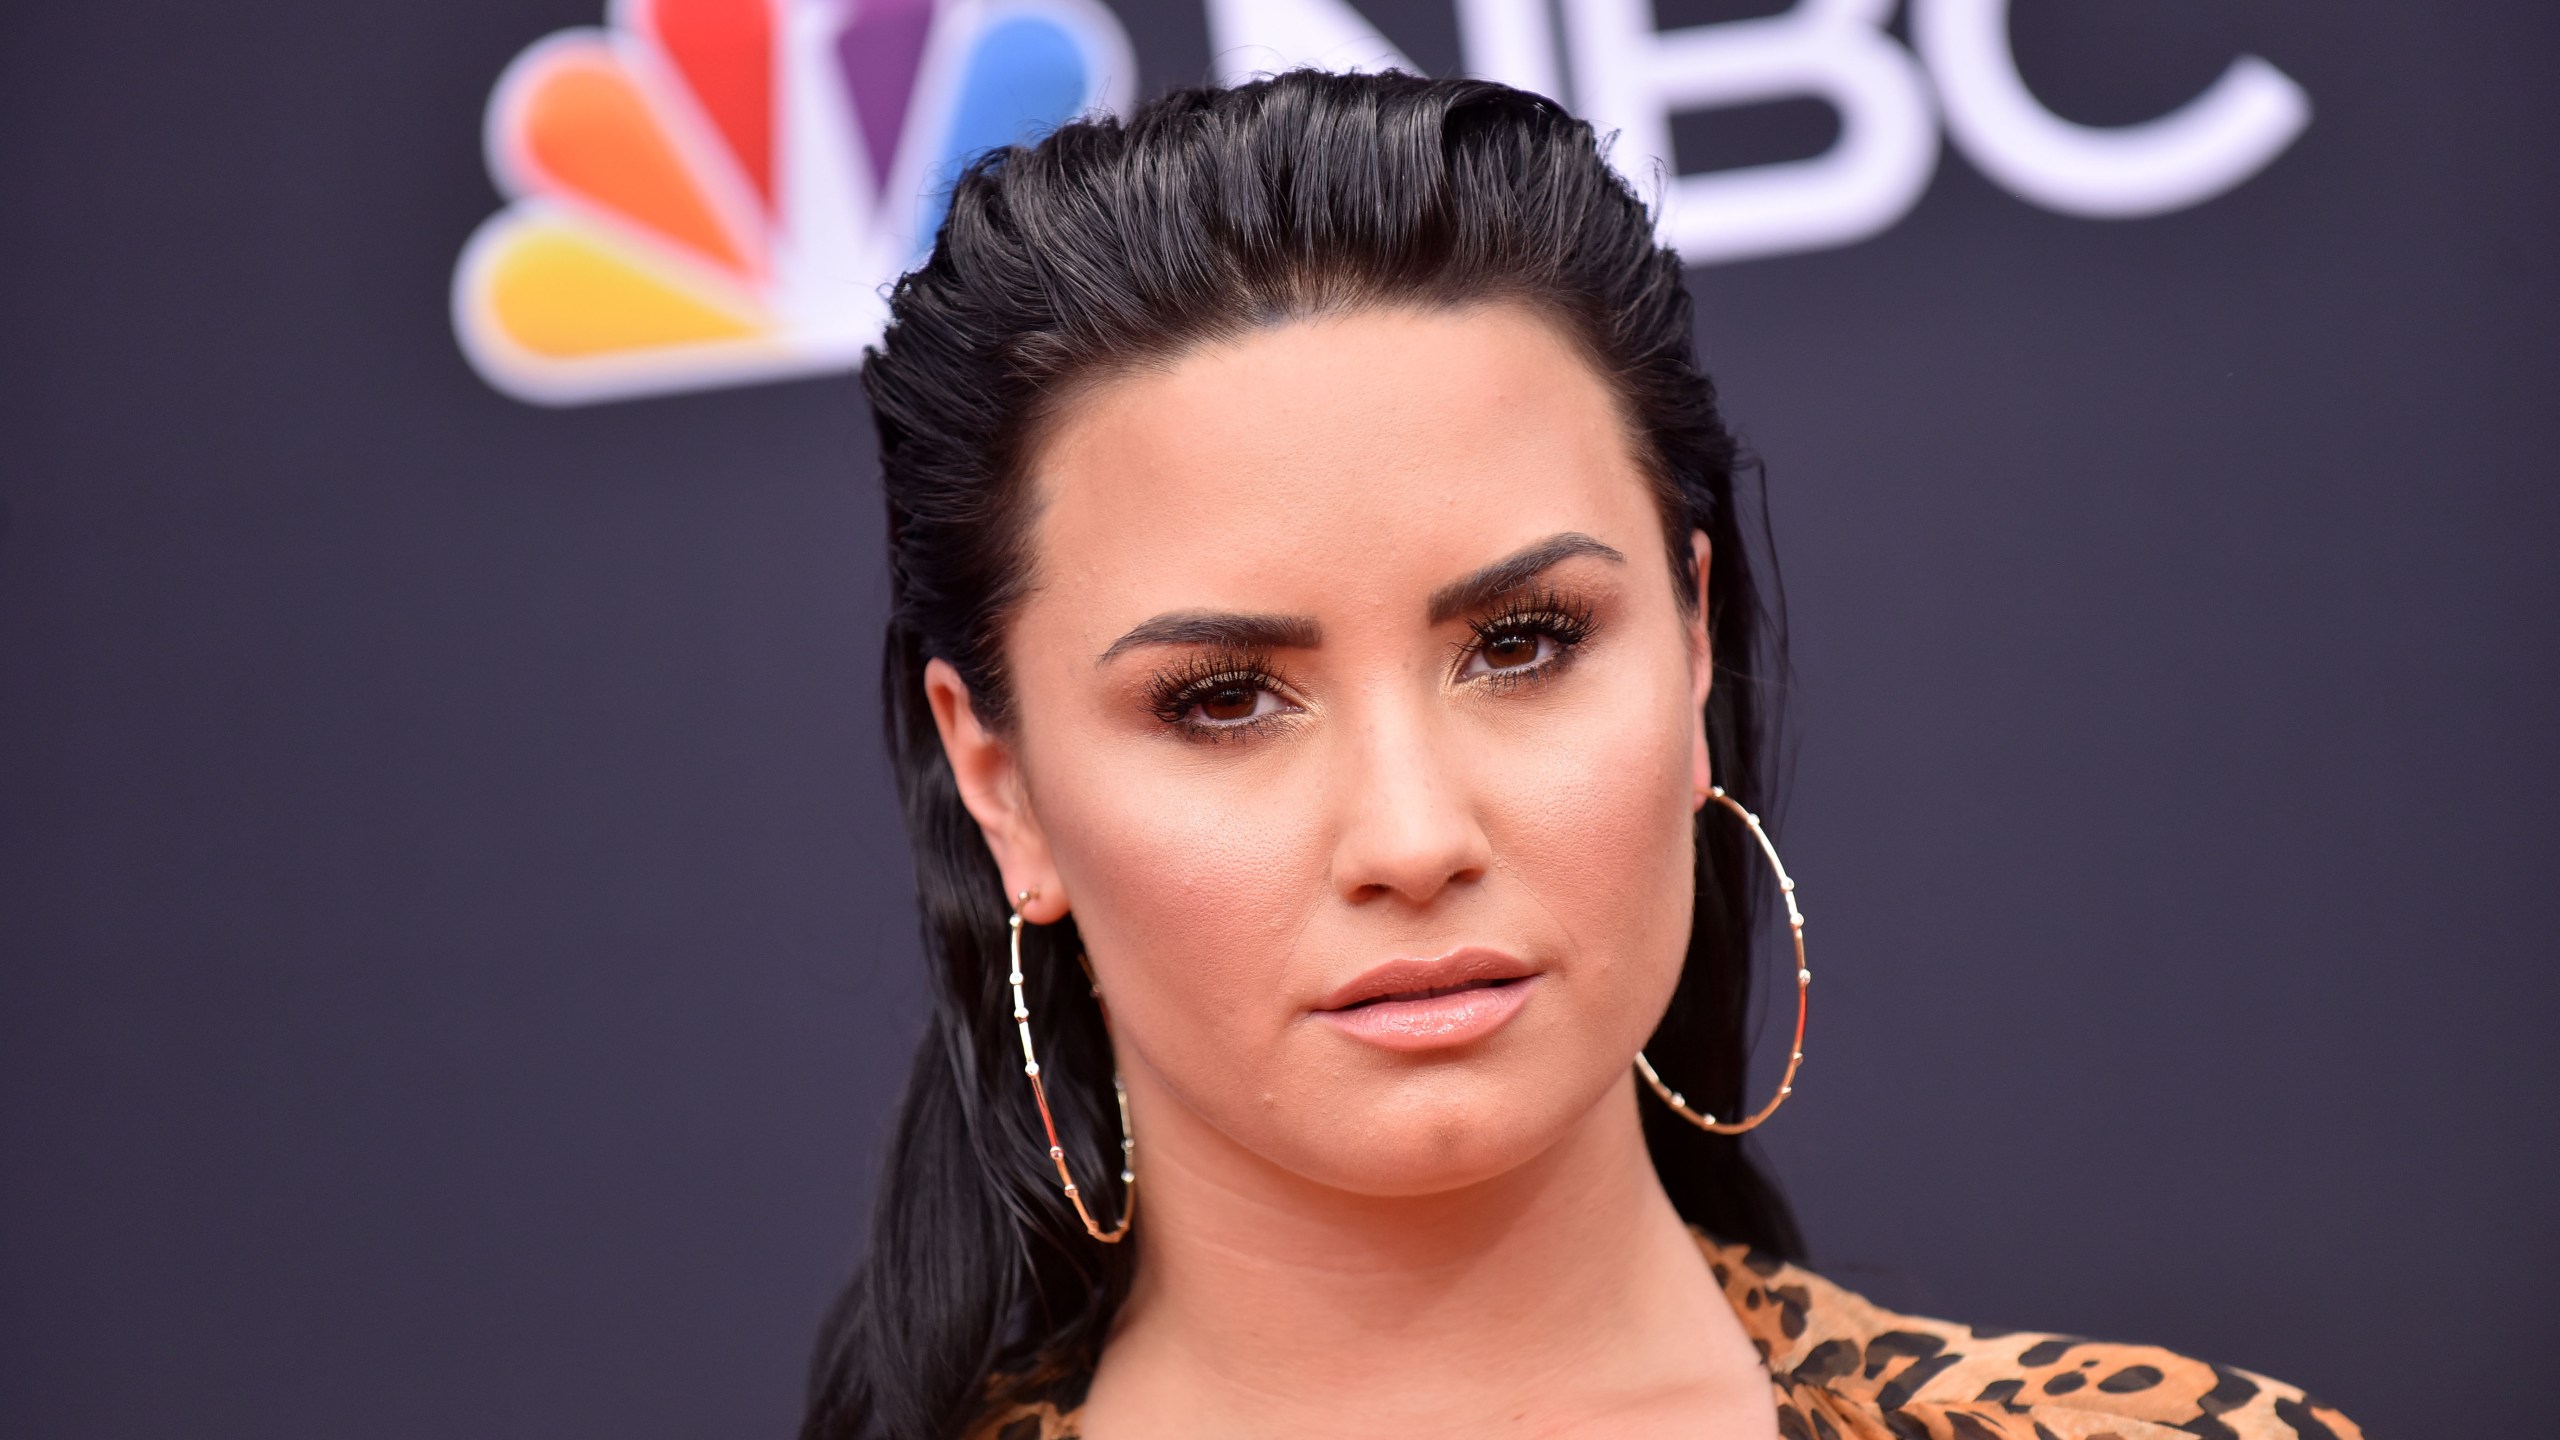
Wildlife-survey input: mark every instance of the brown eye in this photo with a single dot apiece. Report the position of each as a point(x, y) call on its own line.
point(1527, 643)
point(1229, 703)
point(1221, 697)
point(1512, 649)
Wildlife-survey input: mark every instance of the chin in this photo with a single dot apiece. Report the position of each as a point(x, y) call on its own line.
point(1433, 1135)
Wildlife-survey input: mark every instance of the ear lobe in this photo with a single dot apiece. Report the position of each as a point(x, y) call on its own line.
point(991, 785)
point(1702, 674)
point(1701, 642)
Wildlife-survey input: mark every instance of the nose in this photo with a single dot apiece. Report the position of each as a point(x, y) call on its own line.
point(1409, 823)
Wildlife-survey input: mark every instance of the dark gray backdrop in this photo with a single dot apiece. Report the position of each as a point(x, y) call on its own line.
point(457, 948)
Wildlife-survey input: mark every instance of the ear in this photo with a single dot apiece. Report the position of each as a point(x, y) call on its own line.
point(1702, 675)
point(991, 785)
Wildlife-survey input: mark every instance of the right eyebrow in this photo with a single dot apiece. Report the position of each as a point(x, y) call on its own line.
point(1224, 630)
point(1513, 572)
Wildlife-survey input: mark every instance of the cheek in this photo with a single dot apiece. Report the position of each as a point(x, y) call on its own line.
point(1593, 819)
point(1190, 894)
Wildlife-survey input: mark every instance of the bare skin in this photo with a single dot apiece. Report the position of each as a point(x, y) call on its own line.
point(1354, 642)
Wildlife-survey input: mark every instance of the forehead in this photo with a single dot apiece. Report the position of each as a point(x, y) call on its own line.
point(1345, 450)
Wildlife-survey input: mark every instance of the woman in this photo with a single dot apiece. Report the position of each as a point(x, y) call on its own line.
point(1329, 689)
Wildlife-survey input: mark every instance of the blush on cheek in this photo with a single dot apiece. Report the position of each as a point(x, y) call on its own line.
point(1596, 822)
point(1189, 901)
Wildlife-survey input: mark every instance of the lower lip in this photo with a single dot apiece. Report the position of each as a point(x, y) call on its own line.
point(1439, 1023)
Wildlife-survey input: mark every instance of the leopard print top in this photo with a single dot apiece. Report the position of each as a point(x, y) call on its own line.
point(1843, 1369)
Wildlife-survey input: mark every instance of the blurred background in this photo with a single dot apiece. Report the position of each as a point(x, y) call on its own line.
point(455, 941)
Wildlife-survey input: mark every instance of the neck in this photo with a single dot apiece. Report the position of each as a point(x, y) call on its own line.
point(1264, 1302)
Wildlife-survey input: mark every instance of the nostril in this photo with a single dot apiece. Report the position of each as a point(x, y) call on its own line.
point(1410, 840)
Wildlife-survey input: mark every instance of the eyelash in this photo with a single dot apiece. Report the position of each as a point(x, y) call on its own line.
point(1175, 692)
point(1540, 613)
point(1548, 614)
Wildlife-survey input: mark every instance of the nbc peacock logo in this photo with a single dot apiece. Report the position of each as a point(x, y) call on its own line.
point(717, 192)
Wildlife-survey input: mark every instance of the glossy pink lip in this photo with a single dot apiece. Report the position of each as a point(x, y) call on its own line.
point(1459, 998)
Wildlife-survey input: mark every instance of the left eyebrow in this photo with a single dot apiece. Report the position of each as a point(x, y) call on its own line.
point(1480, 588)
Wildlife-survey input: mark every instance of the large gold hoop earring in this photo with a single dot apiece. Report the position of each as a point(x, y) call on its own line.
point(1040, 1094)
point(1804, 983)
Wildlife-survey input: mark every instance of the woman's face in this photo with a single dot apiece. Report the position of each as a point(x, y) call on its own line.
point(1358, 727)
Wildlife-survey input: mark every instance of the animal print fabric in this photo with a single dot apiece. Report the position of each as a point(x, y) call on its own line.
point(1843, 1369)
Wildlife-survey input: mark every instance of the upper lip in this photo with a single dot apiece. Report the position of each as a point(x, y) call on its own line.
point(1473, 964)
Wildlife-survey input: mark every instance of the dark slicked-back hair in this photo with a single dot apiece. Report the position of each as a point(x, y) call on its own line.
point(1207, 215)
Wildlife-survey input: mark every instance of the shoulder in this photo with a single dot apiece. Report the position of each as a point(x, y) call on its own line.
point(1844, 1367)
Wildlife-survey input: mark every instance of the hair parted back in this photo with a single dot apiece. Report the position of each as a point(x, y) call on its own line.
point(1208, 214)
